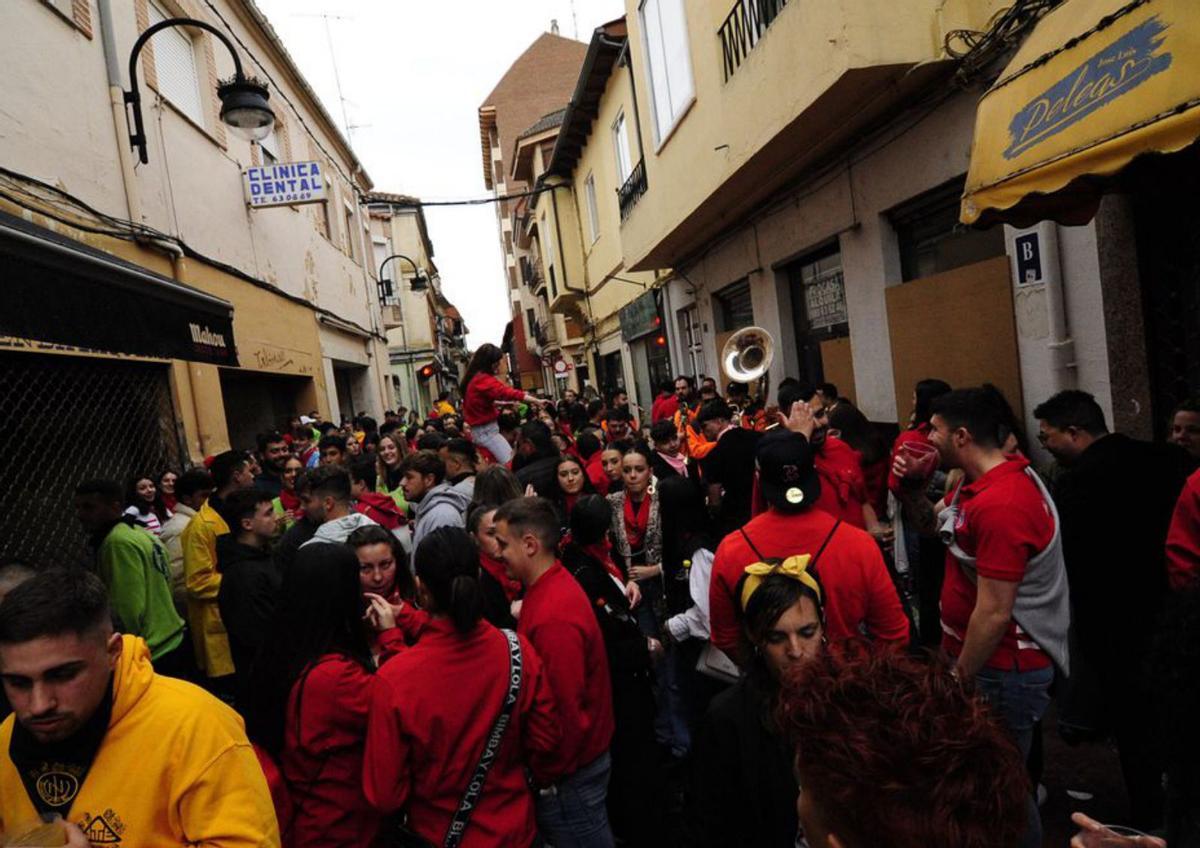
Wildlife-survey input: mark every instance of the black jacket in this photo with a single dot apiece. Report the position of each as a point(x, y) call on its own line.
point(542, 474)
point(293, 538)
point(249, 590)
point(1115, 505)
point(743, 791)
point(628, 655)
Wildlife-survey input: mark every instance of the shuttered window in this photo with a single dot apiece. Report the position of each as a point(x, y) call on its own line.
point(175, 66)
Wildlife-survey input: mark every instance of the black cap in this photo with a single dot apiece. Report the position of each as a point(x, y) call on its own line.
point(786, 472)
point(714, 409)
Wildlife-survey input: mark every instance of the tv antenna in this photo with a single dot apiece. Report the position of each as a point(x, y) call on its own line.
point(337, 78)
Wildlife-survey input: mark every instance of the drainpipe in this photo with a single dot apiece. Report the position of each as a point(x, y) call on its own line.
point(116, 97)
point(1060, 344)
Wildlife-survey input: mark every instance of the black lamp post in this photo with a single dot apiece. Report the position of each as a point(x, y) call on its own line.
point(243, 99)
point(419, 282)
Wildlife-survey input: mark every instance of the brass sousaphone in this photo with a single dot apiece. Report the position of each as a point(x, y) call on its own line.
point(747, 357)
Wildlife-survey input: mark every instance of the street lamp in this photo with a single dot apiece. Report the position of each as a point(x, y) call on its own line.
point(243, 99)
point(419, 283)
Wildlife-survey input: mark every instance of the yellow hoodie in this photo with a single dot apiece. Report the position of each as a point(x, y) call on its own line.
point(175, 768)
point(203, 581)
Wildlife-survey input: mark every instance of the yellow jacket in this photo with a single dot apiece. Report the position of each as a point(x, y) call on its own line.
point(174, 769)
point(203, 581)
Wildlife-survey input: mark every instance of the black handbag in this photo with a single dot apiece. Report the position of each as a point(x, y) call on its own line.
point(397, 834)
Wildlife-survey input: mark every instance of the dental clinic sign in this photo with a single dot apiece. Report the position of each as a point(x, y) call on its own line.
point(285, 184)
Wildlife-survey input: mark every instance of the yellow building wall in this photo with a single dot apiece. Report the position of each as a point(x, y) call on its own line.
point(806, 50)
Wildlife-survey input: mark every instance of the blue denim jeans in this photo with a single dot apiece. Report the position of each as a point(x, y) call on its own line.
point(1019, 699)
point(574, 813)
point(488, 436)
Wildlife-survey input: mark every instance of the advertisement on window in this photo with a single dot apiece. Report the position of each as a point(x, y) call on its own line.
point(825, 300)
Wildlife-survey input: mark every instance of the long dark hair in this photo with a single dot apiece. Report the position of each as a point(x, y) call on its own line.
point(495, 486)
point(684, 518)
point(447, 563)
point(855, 430)
point(560, 497)
point(133, 499)
point(483, 360)
point(373, 534)
point(319, 613)
point(927, 391)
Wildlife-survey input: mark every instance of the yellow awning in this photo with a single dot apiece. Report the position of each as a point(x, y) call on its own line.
point(1097, 83)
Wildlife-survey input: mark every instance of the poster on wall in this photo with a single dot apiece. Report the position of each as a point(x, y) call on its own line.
point(825, 299)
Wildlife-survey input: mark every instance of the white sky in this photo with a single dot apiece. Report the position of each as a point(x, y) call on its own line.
point(413, 73)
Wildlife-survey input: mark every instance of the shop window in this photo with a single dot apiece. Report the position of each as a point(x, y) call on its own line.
point(818, 291)
point(931, 238)
point(691, 331)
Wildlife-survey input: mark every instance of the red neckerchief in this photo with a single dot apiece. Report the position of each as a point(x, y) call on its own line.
point(494, 567)
point(636, 522)
point(602, 552)
point(289, 501)
point(569, 502)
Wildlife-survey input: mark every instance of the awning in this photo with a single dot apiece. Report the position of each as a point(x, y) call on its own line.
point(1096, 84)
point(55, 289)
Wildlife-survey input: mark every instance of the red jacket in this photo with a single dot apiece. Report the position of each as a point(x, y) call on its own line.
point(380, 508)
point(479, 403)
point(664, 408)
point(557, 618)
point(322, 758)
point(1183, 539)
point(431, 712)
point(843, 486)
point(857, 589)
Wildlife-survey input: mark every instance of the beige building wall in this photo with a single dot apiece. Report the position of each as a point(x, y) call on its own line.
point(60, 128)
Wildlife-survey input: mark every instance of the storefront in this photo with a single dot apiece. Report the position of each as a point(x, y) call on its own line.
point(642, 329)
point(1099, 111)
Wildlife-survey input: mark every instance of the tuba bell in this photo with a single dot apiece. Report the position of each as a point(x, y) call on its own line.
point(747, 357)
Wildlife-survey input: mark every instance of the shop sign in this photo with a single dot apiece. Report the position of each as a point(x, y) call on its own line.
point(1028, 247)
point(825, 300)
point(640, 317)
point(285, 184)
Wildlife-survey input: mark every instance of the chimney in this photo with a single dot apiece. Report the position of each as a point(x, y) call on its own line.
point(554, 26)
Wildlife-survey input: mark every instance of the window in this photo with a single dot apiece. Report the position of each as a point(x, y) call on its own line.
point(931, 239)
point(819, 311)
point(691, 331)
point(351, 233)
point(670, 66)
point(270, 148)
point(531, 322)
point(732, 309)
point(621, 147)
point(175, 66)
point(589, 189)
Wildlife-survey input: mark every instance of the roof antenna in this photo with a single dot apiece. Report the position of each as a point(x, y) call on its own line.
point(554, 26)
point(574, 20)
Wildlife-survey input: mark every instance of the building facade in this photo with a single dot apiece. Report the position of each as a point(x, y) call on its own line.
point(536, 85)
point(152, 314)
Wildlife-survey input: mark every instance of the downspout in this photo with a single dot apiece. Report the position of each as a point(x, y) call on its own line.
point(625, 59)
point(116, 97)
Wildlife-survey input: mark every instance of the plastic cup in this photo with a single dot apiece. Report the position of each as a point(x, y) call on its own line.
point(923, 457)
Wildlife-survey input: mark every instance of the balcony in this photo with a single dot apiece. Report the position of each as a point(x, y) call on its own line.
point(391, 316)
point(631, 192)
point(744, 28)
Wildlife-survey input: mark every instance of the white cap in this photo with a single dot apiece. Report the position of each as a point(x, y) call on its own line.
point(304, 419)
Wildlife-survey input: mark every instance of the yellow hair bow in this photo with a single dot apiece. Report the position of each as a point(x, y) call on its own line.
point(795, 567)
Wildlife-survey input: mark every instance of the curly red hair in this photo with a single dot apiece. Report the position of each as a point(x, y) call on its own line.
point(896, 752)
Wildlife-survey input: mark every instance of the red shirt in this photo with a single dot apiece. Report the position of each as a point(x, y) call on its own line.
point(431, 711)
point(1003, 522)
point(557, 618)
point(859, 595)
point(380, 508)
point(843, 486)
point(1183, 539)
point(479, 403)
point(322, 757)
point(920, 434)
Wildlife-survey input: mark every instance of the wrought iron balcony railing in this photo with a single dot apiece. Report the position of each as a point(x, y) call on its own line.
point(743, 28)
point(631, 192)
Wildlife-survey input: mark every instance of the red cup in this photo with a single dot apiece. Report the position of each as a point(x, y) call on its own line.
point(922, 457)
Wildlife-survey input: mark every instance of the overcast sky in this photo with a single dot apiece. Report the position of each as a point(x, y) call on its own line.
point(413, 73)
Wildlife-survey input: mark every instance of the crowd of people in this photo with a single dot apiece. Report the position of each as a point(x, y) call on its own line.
point(723, 621)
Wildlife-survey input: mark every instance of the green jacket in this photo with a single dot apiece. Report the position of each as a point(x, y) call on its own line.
point(136, 569)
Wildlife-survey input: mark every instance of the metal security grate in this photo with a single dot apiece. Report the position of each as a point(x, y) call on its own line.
point(67, 419)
